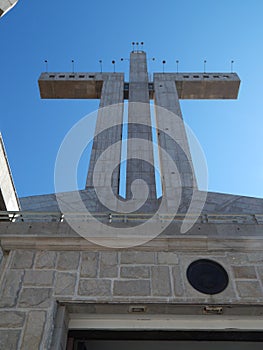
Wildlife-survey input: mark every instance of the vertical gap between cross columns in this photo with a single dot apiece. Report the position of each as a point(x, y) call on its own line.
point(156, 154)
point(84, 162)
point(123, 163)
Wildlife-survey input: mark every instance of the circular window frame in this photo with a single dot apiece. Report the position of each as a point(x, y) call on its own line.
point(207, 276)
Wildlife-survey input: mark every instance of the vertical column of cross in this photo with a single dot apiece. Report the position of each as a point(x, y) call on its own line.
point(139, 119)
point(108, 129)
point(173, 139)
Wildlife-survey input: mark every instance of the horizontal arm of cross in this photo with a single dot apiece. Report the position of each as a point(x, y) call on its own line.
point(89, 85)
point(202, 85)
point(74, 85)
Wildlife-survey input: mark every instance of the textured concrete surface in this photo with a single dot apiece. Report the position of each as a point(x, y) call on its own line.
point(139, 119)
point(175, 144)
point(8, 195)
point(203, 85)
point(72, 85)
point(189, 85)
point(218, 233)
point(112, 93)
point(215, 203)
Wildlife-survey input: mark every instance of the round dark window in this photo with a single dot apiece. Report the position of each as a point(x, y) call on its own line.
point(207, 276)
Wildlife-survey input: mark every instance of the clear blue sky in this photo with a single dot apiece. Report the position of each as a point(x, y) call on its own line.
point(230, 132)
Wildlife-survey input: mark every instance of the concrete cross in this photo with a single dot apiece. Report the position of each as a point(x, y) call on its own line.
point(166, 89)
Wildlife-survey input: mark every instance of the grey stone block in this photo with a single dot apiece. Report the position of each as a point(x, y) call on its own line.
point(9, 339)
point(249, 289)
point(167, 258)
point(108, 264)
point(161, 284)
point(34, 330)
point(22, 259)
point(246, 272)
point(237, 258)
point(11, 287)
point(11, 319)
point(135, 272)
point(260, 272)
point(177, 281)
point(132, 288)
point(59, 335)
point(38, 278)
point(255, 258)
point(133, 257)
point(68, 261)
point(89, 264)
point(95, 287)
point(35, 297)
point(45, 260)
point(65, 283)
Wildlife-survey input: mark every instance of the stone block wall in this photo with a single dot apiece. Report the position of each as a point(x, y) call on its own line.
point(32, 283)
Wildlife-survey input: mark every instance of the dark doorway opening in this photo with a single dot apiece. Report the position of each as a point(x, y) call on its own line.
point(164, 340)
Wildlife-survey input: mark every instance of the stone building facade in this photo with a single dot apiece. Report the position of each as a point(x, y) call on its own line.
point(39, 283)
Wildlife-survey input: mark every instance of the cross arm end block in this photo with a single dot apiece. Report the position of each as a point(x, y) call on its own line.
point(69, 86)
point(73, 85)
point(204, 85)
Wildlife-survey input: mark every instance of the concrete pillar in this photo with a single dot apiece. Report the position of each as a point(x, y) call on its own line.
point(107, 135)
point(174, 139)
point(139, 113)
